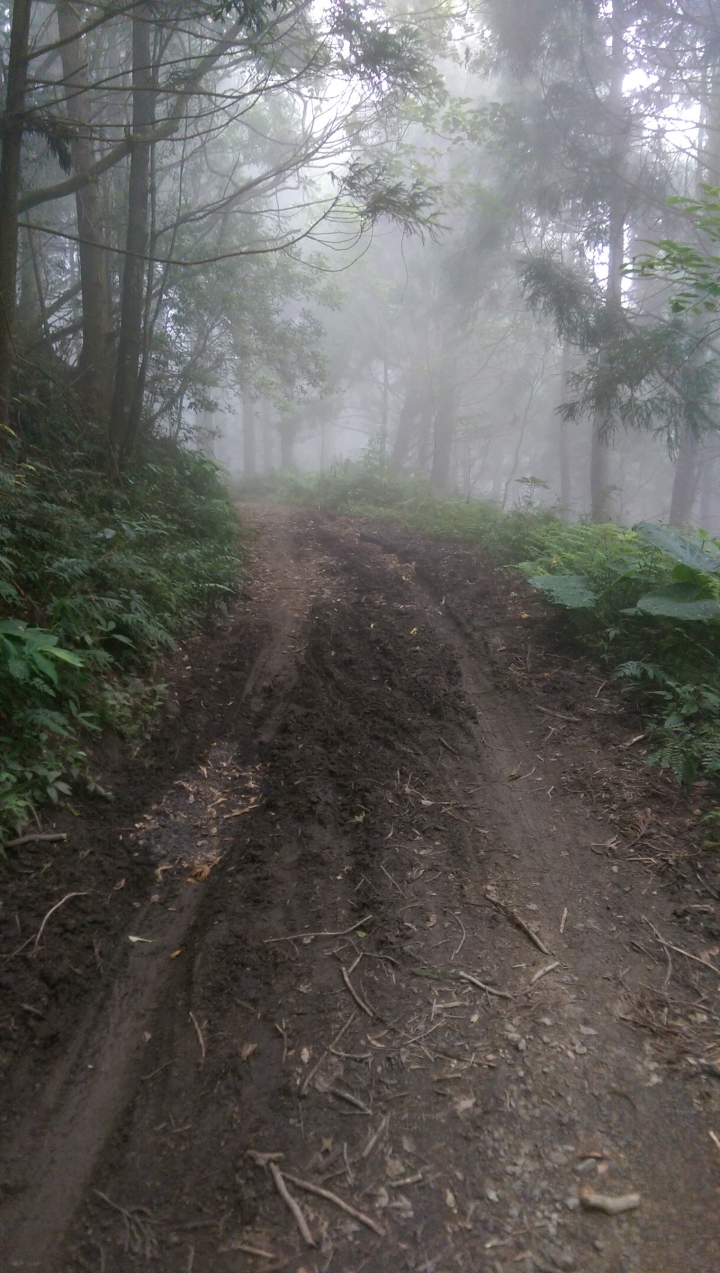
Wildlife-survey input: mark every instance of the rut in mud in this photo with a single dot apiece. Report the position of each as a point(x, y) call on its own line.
point(368, 775)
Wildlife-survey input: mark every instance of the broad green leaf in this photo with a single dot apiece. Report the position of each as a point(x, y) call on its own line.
point(677, 602)
point(68, 656)
point(677, 546)
point(572, 591)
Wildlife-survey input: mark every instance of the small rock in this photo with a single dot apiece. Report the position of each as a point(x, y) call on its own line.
point(587, 1165)
point(492, 1195)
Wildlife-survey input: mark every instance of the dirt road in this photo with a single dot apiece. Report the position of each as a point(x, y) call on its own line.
point(388, 897)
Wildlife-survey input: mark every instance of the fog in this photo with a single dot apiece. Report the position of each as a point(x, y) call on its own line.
point(511, 351)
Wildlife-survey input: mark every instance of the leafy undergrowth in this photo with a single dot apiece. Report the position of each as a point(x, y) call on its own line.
point(646, 601)
point(100, 574)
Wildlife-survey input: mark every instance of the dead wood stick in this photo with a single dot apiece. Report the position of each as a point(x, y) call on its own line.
point(541, 972)
point(499, 994)
point(375, 1136)
point(292, 1204)
point(52, 910)
point(41, 929)
point(311, 1075)
point(248, 1250)
point(549, 712)
point(513, 915)
point(339, 1202)
point(679, 950)
point(199, 1033)
point(348, 1096)
point(48, 836)
point(360, 1002)
point(297, 936)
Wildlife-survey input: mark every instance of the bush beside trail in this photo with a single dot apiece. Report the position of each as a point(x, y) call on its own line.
point(99, 576)
point(645, 601)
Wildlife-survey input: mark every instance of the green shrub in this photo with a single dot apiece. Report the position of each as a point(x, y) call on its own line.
point(100, 574)
point(645, 600)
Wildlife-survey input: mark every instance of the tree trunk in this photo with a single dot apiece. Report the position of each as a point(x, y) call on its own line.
point(385, 404)
point(267, 436)
point(444, 431)
point(249, 448)
point(600, 492)
point(563, 452)
point(287, 442)
point(124, 414)
point(17, 71)
point(685, 480)
point(409, 413)
point(95, 361)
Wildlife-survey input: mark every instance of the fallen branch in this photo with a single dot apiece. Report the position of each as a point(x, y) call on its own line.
point(611, 1206)
point(499, 994)
point(323, 1086)
point(47, 836)
point(311, 1075)
point(301, 936)
point(515, 918)
point(360, 1002)
point(339, 1202)
point(292, 1204)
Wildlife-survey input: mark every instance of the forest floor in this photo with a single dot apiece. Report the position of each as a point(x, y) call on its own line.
point(294, 934)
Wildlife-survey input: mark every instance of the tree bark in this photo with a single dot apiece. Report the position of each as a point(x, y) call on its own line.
point(409, 413)
point(685, 480)
point(600, 492)
point(286, 432)
point(444, 430)
point(123, 418)
point(249, 447)
point(14, 123)
point(267, 436)
point(95, 361)
point(563, 452)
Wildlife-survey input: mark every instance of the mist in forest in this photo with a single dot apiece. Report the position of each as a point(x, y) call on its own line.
point(476, 245)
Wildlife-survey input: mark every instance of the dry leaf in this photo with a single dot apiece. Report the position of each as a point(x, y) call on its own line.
point(247, 1050)
point(305, 1054)
point(118, 886)
point(394, 1168)
point(158, 872)
point(176, 953)
point(465, 1102)
point(199, 874)
point(450, 1199)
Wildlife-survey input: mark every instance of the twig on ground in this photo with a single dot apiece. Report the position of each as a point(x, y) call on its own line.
point(48, 836)
point(311, 1075)
point(199, 1033)
point(679, 950)
point(462, 939)
point(542, 971)
point(611, 1206)
point(344, 1096)
point(715, 1139)
point(499, 994)
point(375, 1136)
point(283, 1033)
point(292, 1204)
point(547, 711)
point(392, 881)
point(339, 1202)
point(234, 1245)
point(513, 915)
point(298, 936)
point(139, 1237)
point(562, 921)
point(41, 929)
point(360, 1002)
point(447, 747)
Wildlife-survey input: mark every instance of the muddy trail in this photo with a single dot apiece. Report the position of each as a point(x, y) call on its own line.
point(387, 917)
